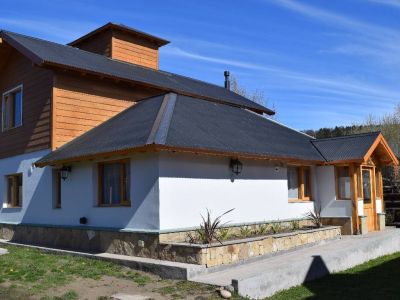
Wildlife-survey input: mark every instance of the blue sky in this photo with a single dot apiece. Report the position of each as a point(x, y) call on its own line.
point(319, 63)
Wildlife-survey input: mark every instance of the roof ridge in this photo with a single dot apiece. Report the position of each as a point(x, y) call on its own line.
point(346, 136)
point(159, 131)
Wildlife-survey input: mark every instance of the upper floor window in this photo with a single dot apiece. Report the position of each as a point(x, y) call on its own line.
point(343, 190)
point(12, 108)
point(114, 183)
point(299, 183)
point(14, 190)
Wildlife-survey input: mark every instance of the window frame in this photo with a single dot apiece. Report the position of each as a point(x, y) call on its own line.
point(10, 91)
point(337, 187)
point(300, 184)
point(126, 202)
point(14, 203)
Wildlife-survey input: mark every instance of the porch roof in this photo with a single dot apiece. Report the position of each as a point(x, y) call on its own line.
point(355, 148)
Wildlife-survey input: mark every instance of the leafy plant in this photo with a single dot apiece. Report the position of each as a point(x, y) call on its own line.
point(295, 224)
point(276, 227)
point(245, 231)
point(209, 228)
point(262, 229)
point(315, 216)
point(224, 233)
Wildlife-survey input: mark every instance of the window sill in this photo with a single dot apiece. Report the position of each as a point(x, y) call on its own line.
point(300, 201)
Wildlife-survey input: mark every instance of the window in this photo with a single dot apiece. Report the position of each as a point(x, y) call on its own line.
point(343, 190)
point(14, 190)
point(299, 183)
point(57, 188)
point(12, 109)
point(114, 183)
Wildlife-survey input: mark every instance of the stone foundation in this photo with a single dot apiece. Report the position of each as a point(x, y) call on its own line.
point(239, 250)
point(345, 223)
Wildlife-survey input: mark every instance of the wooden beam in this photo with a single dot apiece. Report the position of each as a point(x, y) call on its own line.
point(354, 197)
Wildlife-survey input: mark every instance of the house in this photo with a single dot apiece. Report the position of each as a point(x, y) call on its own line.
point(99, 145)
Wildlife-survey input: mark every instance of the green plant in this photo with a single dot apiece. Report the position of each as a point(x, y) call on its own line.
point(224, 233)
point(245, 231)
point(262, 229)
point(209, 228)
point(315, 216)
point(295, 224)
point(276, 227)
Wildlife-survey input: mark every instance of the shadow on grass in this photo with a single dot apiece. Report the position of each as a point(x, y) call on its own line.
point(377, 279)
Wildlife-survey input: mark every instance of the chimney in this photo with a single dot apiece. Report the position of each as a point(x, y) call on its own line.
point(122, 43)
point(227, 81)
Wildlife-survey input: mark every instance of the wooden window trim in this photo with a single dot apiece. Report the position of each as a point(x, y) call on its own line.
point(12, 201)
point(300, 183)
point(5, 94)
point(337, 183)
point(100, 170)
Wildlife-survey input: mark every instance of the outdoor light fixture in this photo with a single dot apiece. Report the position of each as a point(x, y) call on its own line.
point(236, 166)
point(65, 170)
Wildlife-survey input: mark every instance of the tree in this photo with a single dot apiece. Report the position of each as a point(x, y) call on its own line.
point(256, 96)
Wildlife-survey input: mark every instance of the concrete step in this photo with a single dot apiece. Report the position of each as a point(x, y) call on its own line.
point(263, 278)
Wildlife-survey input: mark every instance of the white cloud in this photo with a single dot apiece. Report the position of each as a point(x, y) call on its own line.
point(392, 3)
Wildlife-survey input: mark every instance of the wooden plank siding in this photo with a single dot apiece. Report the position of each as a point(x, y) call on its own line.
point(34, 134)
point(100, 44)
point(81, 103)
point(134, 50)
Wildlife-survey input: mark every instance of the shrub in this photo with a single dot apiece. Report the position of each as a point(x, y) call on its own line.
point(245, 231)
point(209, 229)
point(315, 216)
point(262, 229)
point(224, 233)
point(276, 228)
point(295, 224)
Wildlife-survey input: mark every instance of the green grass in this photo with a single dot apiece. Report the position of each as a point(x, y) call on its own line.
point(375, 279)
point(36, 271)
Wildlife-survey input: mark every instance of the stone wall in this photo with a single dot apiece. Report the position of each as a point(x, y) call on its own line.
point(239, 250)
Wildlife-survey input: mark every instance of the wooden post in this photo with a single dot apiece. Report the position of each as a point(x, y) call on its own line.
point(354, 197)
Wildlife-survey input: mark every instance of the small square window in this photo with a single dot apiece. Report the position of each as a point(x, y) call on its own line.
point(12, 109)
point(299, 183)
point(114, 183)
point(343, 189)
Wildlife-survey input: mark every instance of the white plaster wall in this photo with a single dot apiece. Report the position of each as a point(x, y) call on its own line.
point(79, 195)
point(189, 184)
point(331, 207)
point(35, 192)
point(378, 206)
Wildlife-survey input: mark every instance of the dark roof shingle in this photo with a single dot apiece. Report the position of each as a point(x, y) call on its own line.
point(185, 122)
point(49, 53)
point(345, 148)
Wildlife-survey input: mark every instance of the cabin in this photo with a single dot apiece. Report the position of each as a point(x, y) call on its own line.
point(99, 148)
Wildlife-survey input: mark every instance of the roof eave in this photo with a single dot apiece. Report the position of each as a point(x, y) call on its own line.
point(158, 148)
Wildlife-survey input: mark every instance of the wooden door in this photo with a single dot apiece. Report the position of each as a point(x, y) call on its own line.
point(368, 197)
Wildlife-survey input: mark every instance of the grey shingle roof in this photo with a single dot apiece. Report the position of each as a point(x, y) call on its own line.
point(352, 147)
point(47, 53)
point(185, 122)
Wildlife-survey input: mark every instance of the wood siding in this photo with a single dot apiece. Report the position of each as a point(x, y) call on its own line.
point(34, 134)
point(100, 44)
point(81, 103)
point(134, 50)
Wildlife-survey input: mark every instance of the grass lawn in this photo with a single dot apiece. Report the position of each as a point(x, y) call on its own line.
point(375, 279)
point(27, 273)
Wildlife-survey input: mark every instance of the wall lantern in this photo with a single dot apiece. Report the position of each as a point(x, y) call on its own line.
point(236, 166)
point(64, 171)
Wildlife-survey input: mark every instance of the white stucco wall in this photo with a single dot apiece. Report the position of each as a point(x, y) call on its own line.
point(331, 207)
point(79, 195)
point(189, 184)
